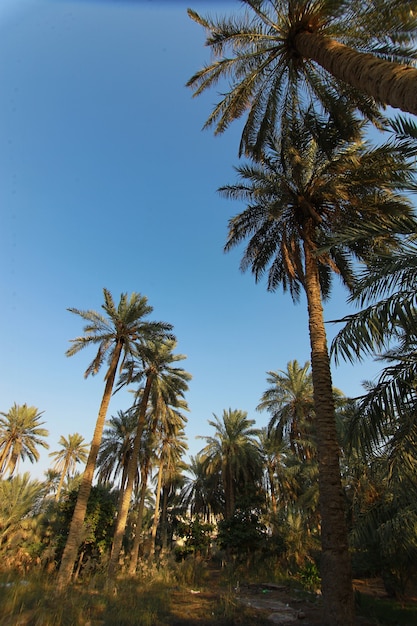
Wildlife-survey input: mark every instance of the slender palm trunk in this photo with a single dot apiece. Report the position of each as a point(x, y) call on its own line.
point(76, 527)
point(124, 502)
point(61, 480)
point(336, 574)
point(164, 518)
point(272, 494)
point(139, 517)
point(156, 515)
point(387, 82)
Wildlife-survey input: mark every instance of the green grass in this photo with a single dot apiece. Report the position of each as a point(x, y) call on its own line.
point(386, 612)
point(133, 602)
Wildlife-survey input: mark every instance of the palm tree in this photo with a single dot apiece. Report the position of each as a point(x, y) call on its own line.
point(118, 336)
point(386, 328)
point(167, 383)
point(116, 447)
point(201, 494)
point(289, 400)
point(234, 453)
point(172, 447)
point(279, 53)
point(308, 186)
point(74, 451)
point(19, 497)
point(20, 435)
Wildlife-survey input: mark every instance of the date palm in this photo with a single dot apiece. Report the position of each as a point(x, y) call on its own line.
point(280, 52)
point(73, 451)
point(20, 436)
point(172, 447)
point(118, 333)
point(386, 329)
point(201, 494)
point(309, 185)
point(116, 447)
point(19, 498)
point(234, 453)
point(165, 382)
point(289, 400)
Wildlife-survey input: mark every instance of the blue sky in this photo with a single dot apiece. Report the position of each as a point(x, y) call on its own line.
point(107, 180)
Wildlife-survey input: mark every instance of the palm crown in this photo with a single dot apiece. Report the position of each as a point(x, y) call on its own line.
point(282, 52)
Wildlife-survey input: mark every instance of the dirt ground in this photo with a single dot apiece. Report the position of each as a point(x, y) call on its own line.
point(262, 604)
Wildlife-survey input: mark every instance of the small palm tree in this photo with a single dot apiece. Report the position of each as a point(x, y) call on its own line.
point(116, 447)
point(20, 436)
point(118, 336)
point(201, 494)
point(289, 399)
point(74, 451)
point(234, 453)
point(278, 54)
point(19, 499)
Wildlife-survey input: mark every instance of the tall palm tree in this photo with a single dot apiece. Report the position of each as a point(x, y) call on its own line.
point(289, 400)
point(201, 493)
point(154, 363)
point(73, 451)
point(116, 447)
point(172, 447)
point(279, 52)
point(234, 453)
point(309, 185)
point(118, 335)
point(161, 418)
point(20, 436)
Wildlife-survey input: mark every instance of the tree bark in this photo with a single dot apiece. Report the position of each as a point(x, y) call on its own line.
point(74, 535)
point(336, 573)
point(156, 515)
point(387, 82)
point(139, 518)
point(62, 478)
point(127, 494)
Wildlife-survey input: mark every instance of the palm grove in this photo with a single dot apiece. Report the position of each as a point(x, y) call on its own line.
point(331, 481)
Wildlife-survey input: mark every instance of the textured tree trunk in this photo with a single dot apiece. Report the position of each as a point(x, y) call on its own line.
point(74, 536)
point(61, 480)
point(336, 574)
point(156, 515)
point(124, 502)
point(139, 517)
point(387, 82)
point(164, 518)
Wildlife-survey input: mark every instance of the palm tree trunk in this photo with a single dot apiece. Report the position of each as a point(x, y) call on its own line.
point(156, 515)
point(164, 520)
point(74, 535)
point(139, 517)
point(387, 82)
point(61, 480)
point(124, 502)
point(336, 575)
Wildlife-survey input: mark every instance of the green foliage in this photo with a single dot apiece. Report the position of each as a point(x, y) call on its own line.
point(19, 501)
point(197, 536)
point(98, 524)
point(309, 576)
point(242, 534)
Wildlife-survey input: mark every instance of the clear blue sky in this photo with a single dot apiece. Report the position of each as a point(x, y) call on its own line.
point(107, 180)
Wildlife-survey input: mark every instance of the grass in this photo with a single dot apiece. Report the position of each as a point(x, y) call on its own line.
point(135, 602)
point(387, 611)
point(185, 595)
